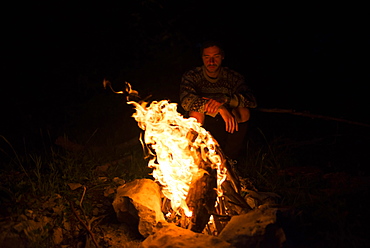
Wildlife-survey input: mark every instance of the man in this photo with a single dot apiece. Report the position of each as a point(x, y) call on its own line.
point(218, 98)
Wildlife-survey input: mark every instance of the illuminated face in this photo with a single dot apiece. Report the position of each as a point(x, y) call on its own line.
point(212, 58)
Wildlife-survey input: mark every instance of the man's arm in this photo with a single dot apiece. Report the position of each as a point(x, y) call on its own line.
point(242, 96)
point(230, 120)
point(189, 98)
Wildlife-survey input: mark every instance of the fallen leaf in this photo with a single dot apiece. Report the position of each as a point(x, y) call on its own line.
point(103, 179)
point(108, 191)
point(74, 186)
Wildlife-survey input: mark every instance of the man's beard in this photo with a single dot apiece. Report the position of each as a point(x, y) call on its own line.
point(216, 68)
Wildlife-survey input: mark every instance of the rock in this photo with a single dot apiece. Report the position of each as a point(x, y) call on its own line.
point(58, 235)
point(138, 203)
point(256, 198)
point(256, 228)
point(170, 235)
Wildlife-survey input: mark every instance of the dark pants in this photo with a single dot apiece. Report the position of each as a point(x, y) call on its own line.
point(230, 144)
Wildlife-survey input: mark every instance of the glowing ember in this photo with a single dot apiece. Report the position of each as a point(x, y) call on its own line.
point(180, 145)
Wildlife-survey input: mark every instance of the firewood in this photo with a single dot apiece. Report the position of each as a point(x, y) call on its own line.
point(201, 198)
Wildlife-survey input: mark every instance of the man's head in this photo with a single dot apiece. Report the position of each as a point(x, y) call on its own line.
point(212, 56)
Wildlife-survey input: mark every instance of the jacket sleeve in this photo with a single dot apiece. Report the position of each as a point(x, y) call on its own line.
point(189, 99)
point(242, 96)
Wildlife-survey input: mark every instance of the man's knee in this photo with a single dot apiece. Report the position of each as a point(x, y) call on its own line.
point(198, 116)
point(241, 114)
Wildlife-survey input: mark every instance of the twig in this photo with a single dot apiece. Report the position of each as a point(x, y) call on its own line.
point(82, 197)
point(84, 225)
point(293, 112)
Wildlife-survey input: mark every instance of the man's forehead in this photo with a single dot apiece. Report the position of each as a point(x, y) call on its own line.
point(213, 50)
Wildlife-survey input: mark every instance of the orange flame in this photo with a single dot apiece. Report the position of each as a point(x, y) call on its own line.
point(180, 144)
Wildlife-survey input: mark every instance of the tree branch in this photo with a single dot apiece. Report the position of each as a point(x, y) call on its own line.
point(306, 114)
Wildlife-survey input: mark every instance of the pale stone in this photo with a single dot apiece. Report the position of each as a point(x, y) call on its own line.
point(254, 227)
point(170, 235)
point(145, 196)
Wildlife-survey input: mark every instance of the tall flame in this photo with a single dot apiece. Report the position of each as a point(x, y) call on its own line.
point(180, 145)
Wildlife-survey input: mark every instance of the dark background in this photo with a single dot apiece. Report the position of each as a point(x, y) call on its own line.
point(307, 57)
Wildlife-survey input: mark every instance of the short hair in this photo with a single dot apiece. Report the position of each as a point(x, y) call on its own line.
point(211, 43)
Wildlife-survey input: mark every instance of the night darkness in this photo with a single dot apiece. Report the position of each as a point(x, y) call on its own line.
point(302, 57)
point(307, 57)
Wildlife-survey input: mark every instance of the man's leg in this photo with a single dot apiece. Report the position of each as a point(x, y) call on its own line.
point(234, 141)
point(198, 116)
point(241, 114)
point(216, 126)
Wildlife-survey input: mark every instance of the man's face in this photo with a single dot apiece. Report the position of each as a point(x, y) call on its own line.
point(212, 58)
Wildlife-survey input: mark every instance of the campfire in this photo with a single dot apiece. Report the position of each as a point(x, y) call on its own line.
point(200, 189)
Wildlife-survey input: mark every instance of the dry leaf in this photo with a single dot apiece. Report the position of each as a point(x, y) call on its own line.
point(74, 186)
point(108, 191)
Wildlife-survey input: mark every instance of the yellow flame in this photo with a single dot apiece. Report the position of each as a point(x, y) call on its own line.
point(180, 144)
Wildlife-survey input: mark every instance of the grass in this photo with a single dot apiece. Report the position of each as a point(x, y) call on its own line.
point(41, 184)
point(316, 213)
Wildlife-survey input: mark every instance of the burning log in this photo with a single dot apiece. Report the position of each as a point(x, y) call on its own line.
point(201, 198)
point(235, 203)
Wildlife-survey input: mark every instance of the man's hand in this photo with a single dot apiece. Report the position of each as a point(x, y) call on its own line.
point(230, 121)
point(212, 106)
